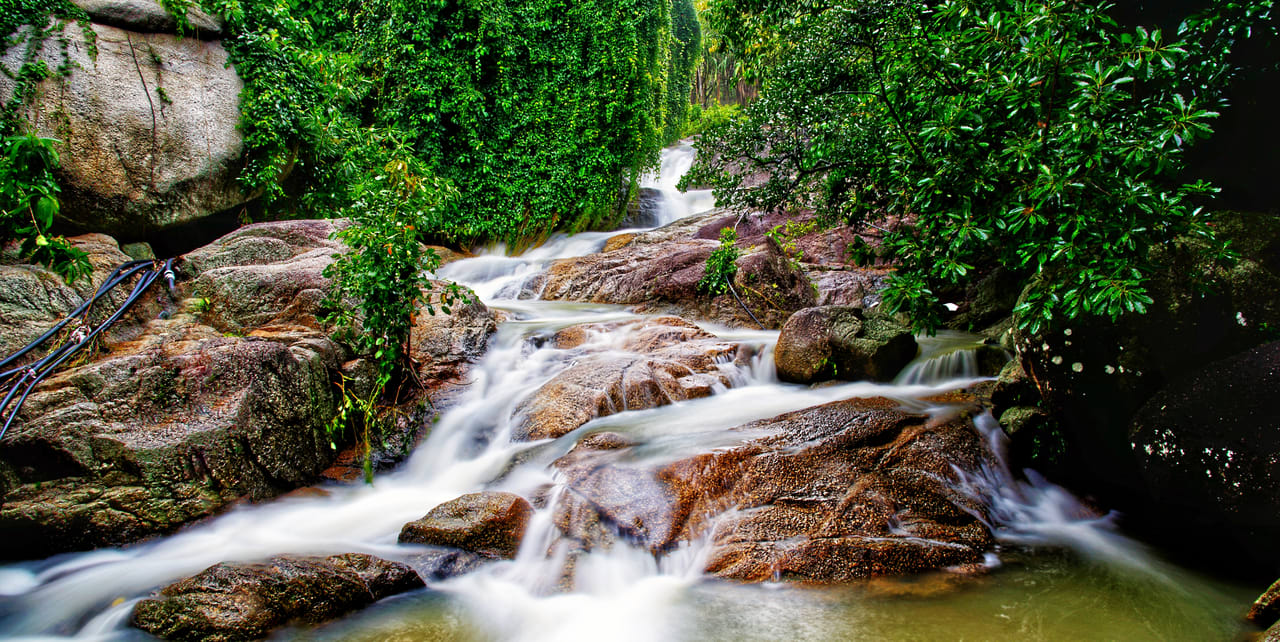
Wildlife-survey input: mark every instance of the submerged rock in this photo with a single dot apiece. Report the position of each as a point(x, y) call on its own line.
point(849, 489)
point(659, 361)
point(841, 342)
point(489, 523)
point(148, 128)
point(239, 601)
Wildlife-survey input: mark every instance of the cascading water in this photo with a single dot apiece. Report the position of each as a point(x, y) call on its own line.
point(622, 592)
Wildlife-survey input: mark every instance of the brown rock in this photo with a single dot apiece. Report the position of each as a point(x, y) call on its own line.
point(489, 523)
point(238, 601)
point(661, 361)
point(659, 270)
point(1266, 609)
point(838, 342)
point(849, 489)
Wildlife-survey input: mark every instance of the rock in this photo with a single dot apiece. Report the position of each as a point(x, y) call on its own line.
point(149, 16)
point(148, 129)
point(658, 272)
point(1209, 449)
point(829, 342)
point(488, 523)
point(443, 344)
point(244, 601)
point(1272, 634)
point(266, 274)
point(986, 301)
point(1266, 609)
point(849, 489)
point(1094, 373)
point(646, 209)
point(659, 361)
point(166, 429)
point(34, 299)
point(224, 399)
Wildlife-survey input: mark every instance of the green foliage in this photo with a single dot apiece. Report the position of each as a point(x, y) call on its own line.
point(722, 264)
point(29, 24)
point(381, 283)
point(28, 190)
point(686, 49)
point(29, 202)
point(703, 119)
point(537, 110)
point(1041, 136)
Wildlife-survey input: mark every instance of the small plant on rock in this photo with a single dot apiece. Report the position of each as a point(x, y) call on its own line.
point(721, 265)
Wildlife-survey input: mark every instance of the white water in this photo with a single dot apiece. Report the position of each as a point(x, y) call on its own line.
point(623, 593)
point(675, 162)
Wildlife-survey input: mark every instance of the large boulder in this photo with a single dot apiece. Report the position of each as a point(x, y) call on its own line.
point(657, 362)
point(489, 523)
point(147, 128)
point(225, 397)
point(34, 299)
point(149, 16)
point(658, 272)
point(849, 489)
point(1209, 449)
point(246, 601)
point(842, 342)
point(1094, 374)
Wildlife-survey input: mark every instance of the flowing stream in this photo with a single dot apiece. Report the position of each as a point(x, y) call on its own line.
point(1062, 571)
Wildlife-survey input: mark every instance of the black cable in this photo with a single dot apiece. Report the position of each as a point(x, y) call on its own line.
point(112, 281)
point(731, 291)
point(44, 367)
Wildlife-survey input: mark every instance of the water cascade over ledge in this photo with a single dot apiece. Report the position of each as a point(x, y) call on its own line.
point(627, 590)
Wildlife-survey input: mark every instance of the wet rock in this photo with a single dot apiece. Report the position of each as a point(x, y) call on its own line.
point(138, 155)
point(241, 601)
point(658, 272)
point(34, 299)
point(445, 343)
point(225, 398)
point(1209, 445)
point(1094, 373)
point(163, 430)
point(489, 523)
point(1266, 609)
point(439, 563)
point(849, 489)
point(657, 362)
point(266, 274)
point(149, 16)
point(646, 209)
point(847, 343)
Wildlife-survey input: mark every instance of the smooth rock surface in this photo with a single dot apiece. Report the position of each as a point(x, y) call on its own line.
point(848, 489)
point(148, 129)
point(657, 362)
point(489, 523)
point(245, 601)
point(842, 342)
point(149, 16)
point(658, 272)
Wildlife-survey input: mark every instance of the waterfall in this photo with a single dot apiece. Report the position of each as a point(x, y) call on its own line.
point(620, 592)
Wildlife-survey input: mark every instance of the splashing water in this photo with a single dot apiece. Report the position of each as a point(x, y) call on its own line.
point(622, 592)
